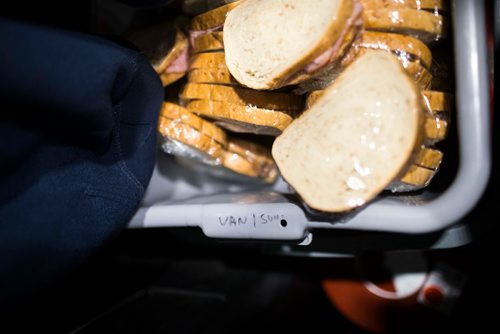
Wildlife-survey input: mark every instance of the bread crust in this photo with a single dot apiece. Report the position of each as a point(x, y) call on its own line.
point(212, 18)
point(397, 43)
point(250, 159)
point(242, 96)
point(431, 5)
point(189, 136)
point(425, 26)
point(175, 112)
point(212, 76)
point(213, 41)
point(208, 60)
point(242, 119)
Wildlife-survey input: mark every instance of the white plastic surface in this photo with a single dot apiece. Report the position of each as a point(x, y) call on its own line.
point(416, 215)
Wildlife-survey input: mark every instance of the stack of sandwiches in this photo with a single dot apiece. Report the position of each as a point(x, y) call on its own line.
point(370, 121)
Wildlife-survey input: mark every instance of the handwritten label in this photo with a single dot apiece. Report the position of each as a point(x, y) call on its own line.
point(254, 220)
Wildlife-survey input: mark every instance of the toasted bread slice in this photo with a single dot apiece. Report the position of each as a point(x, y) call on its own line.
point(242, 96)
point(170, 78)
point(208, 60)
point(213, 18)
point(250, 159)
point(427, 27)
point(242, 119)
point(407, 46)
point(267, 43)
point(212, 76)
point(428, 158)
point(438, 102)
point(430, 5)
point(425, 166)
point(209, 42)
point(357, 138)
point(417, 177)
point(175, 112)
point(189, 136)
point(435, 129)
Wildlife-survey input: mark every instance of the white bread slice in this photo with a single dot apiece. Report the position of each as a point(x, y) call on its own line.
point(212, 76)
point(426, 26)
point(419, 74)
point(437, 102)
point(189, 136)
point(430, 5)
point(242, 119)
point(212, 18)
point(208, 60)
point(397, 43)
point(175, 112)
point(356, 139)
point(268, 42)
point(250, 159)
point(242, 96)
point(209, 42)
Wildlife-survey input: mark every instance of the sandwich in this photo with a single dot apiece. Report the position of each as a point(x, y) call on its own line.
point(210, 21)
point(251, 160)
point(413, 54)
point(434, 6)
point(426, 26)
point(167, 49)
point(344, 150)
point(271, 44)
point(187, 135)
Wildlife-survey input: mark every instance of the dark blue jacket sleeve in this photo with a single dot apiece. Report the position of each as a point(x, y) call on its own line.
point(77, 148)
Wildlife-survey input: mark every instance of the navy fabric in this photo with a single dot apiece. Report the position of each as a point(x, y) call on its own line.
point(77, 148)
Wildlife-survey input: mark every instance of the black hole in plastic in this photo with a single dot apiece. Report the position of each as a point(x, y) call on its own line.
point(283, 223)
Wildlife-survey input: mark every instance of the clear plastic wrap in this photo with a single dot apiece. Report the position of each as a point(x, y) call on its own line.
point(427, 26)
point(242, 96)
point(438, 106)
point(413, 54)
point(425, 166)
point(434, 6)
point(183, 140)
point(178, 113)
point(242, 161)
point(263, 165)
